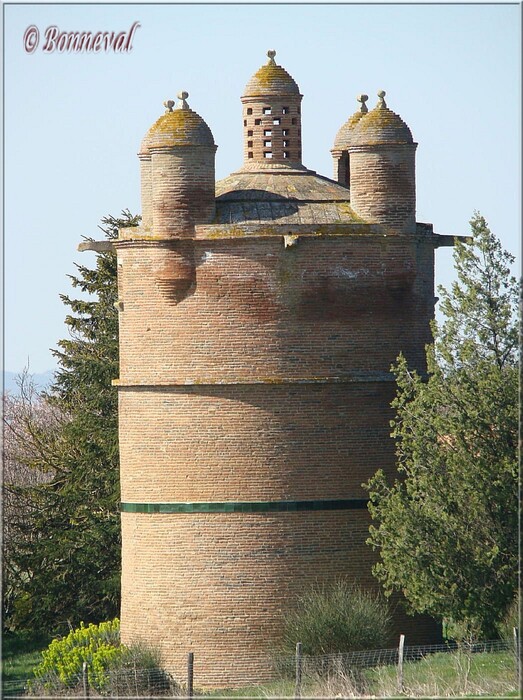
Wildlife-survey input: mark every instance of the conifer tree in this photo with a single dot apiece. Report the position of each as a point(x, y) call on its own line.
point(69, 566)
point(447, 528)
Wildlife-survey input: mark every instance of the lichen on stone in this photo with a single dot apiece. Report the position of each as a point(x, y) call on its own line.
point(182, 127)
point(381, 126)
point(271, 79)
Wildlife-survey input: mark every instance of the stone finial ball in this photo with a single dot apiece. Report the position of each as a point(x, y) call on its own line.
point(382, 93)
point(182, 95)
point(271, 53)
point(169, 104)
point(362, 98)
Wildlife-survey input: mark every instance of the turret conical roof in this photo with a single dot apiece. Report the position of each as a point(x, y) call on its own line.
point(381, 126)
point(271, 80)
point(344, 136)
point(180, 126)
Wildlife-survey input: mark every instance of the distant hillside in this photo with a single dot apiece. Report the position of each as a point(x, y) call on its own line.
point(41, 381)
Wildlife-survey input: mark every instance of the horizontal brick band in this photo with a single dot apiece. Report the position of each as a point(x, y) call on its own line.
point(354, 378)
point(246, 506)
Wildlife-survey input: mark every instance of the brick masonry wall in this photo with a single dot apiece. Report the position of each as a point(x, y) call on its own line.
point(253, 442)
point(255, 372)
point(341, 170)
point(382, 185)
point(146, 190)
point(283, 121)
point(218, 584)
point(228, 310)
point(183, 189)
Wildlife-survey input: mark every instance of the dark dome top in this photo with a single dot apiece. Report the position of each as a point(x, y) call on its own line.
point(381, 126)
point(178, 127)
point(271, 80)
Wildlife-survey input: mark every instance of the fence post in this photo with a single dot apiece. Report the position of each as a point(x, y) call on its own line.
point(85, 679)
point(518, 655)
point(190, 674)
point(400, 663)
point(297, 692)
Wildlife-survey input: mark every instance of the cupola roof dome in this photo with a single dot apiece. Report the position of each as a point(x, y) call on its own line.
point(381, 126)
point(271, 80)
point(177, 127)
point(344, 136)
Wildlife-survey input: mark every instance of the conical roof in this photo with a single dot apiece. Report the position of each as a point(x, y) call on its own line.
point(381, 126)
point(271, 80)
point(179, 127)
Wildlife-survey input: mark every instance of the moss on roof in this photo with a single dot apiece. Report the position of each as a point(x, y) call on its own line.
point(381, 126)
point(182, 127)
point(344, 136)
point(271, 79)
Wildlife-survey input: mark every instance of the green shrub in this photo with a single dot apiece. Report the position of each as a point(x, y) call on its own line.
point(62, 661)
point(112, 667)
point(510, 620)
point(337, 618)
point(469, 631)
point(139, 673)
point(463, 631)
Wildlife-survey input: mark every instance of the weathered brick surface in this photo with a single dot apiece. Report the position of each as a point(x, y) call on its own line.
point(253, 442)
point(182, 192)
point(216, 337)
point(271, 118)
point(283, 121)
point(146, 189)
point(256, 339)
point(322, 308)
point(382, 185)
point(218, 584)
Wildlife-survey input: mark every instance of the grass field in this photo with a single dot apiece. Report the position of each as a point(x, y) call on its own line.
point(442, 675)
point(451, 674)
point(20, 654)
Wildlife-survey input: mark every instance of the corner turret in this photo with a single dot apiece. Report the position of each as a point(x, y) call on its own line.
point(177, 172)
point(342, 142)
point(382, 169)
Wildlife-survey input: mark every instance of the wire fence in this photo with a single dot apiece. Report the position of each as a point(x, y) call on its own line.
point(442, 670)
point(138, 683)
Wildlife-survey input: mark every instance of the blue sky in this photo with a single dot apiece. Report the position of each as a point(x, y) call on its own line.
point(73, 122)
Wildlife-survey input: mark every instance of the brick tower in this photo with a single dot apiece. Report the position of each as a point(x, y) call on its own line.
point(258, 322)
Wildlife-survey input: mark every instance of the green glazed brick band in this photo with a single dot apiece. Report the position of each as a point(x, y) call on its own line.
point(246, 506)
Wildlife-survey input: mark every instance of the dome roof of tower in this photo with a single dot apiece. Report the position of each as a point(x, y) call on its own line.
point(178, 127)
point(271, 80)
point(344, 136)
point(282, 197)
point(381, 126)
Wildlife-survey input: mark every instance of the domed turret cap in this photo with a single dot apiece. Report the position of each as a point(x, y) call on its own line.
point(271, 80)
point(381, 126)
point(177, 127)
point(344, 136)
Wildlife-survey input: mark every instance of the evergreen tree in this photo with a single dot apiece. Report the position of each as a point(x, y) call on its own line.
point(70, 565)
point(447, 529)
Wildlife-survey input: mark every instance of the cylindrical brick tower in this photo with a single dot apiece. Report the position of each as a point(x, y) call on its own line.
point(382, 169)
point(271, 118)
point(257, 330)
point(146, 184)
point(343, 141)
